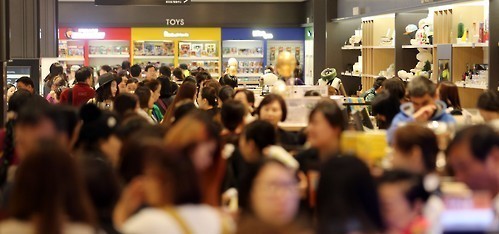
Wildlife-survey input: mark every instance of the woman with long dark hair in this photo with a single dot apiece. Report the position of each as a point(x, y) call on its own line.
point(55, 70)
point(155, 86)
point(347, 198)
point(106, 91)
point(169, 186)
point(187, 91)
point(448, 93)
point(49, 195)
point(198, 137)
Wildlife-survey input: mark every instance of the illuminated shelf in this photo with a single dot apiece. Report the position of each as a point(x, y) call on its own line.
point(153, 57)
point(351, 74)
point(379, 47)
point(250, 74)
point(470, 45)
point(351, 47)
point(228, 56)
point(109, 56)
point(72, 59)
point(418, 46)
point(198, 58)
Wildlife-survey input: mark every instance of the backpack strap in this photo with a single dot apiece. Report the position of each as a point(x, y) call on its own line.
point(180, 221)
point(162, 104)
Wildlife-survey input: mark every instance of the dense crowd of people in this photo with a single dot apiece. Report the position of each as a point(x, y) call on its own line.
point(159, 150)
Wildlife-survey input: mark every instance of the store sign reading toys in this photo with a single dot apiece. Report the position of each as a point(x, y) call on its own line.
point(143, 2)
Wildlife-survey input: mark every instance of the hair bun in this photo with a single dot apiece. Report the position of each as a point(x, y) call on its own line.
point(90, 112)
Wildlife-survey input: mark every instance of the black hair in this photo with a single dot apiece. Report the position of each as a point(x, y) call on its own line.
point(26, 81)
point(415, 190)
point(183, 109)
point(232, 114)
point(149, 66)
point(18, 100)
point(125, 103)
point(489, 101)
point(167, 87)
point(226, 93)
point(104, 93)
point(177, 73)
point(183, 66)
point(347, 198)
point(135, 70)
point(33, 111)
point(410, 136)
point(65, 119)
point(269, 99)
point(131, 123)
point(481, 140)
point(378, 82)
point(420, 86)
point(102, 185)
point(132, 80)
point(97, 125)
point(202, 76)
point(123, 73)
point(83, 74)
point(144, 94)
point(332, 112)
point(250, 96)
point(210, 94)
point(125, 65)
point(261, 132)
point(55, 69)
point(165, 71)
point(152, 84)
point(106, 68)
point(395, 87)
point(190, 79)
point(386, 105)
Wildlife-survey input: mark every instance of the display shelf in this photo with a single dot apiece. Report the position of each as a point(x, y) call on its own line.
point(250, 74)
point(351, 47)
point(351, 74)
point(228, 56)
point(153, 57)
point(470, 45)
point(461, 84)
point(378, 47)
point(72, 59)
point(198, 58)
point(109, 56)
point(418, 46)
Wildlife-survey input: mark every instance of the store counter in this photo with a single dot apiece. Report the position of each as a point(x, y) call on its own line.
point(293, 127)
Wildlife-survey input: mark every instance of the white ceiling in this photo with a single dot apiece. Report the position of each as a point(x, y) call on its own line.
point(208, 0)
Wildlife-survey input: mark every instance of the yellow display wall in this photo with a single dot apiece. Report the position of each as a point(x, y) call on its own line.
point(181, 35)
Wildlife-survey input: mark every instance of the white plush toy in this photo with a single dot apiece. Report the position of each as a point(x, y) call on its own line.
point(423, 56)
point(423, 32)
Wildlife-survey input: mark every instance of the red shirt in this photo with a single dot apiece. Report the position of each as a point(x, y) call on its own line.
point(82, 92)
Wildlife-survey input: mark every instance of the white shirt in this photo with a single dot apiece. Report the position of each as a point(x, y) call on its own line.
point(199, 218)
point(14, 226)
